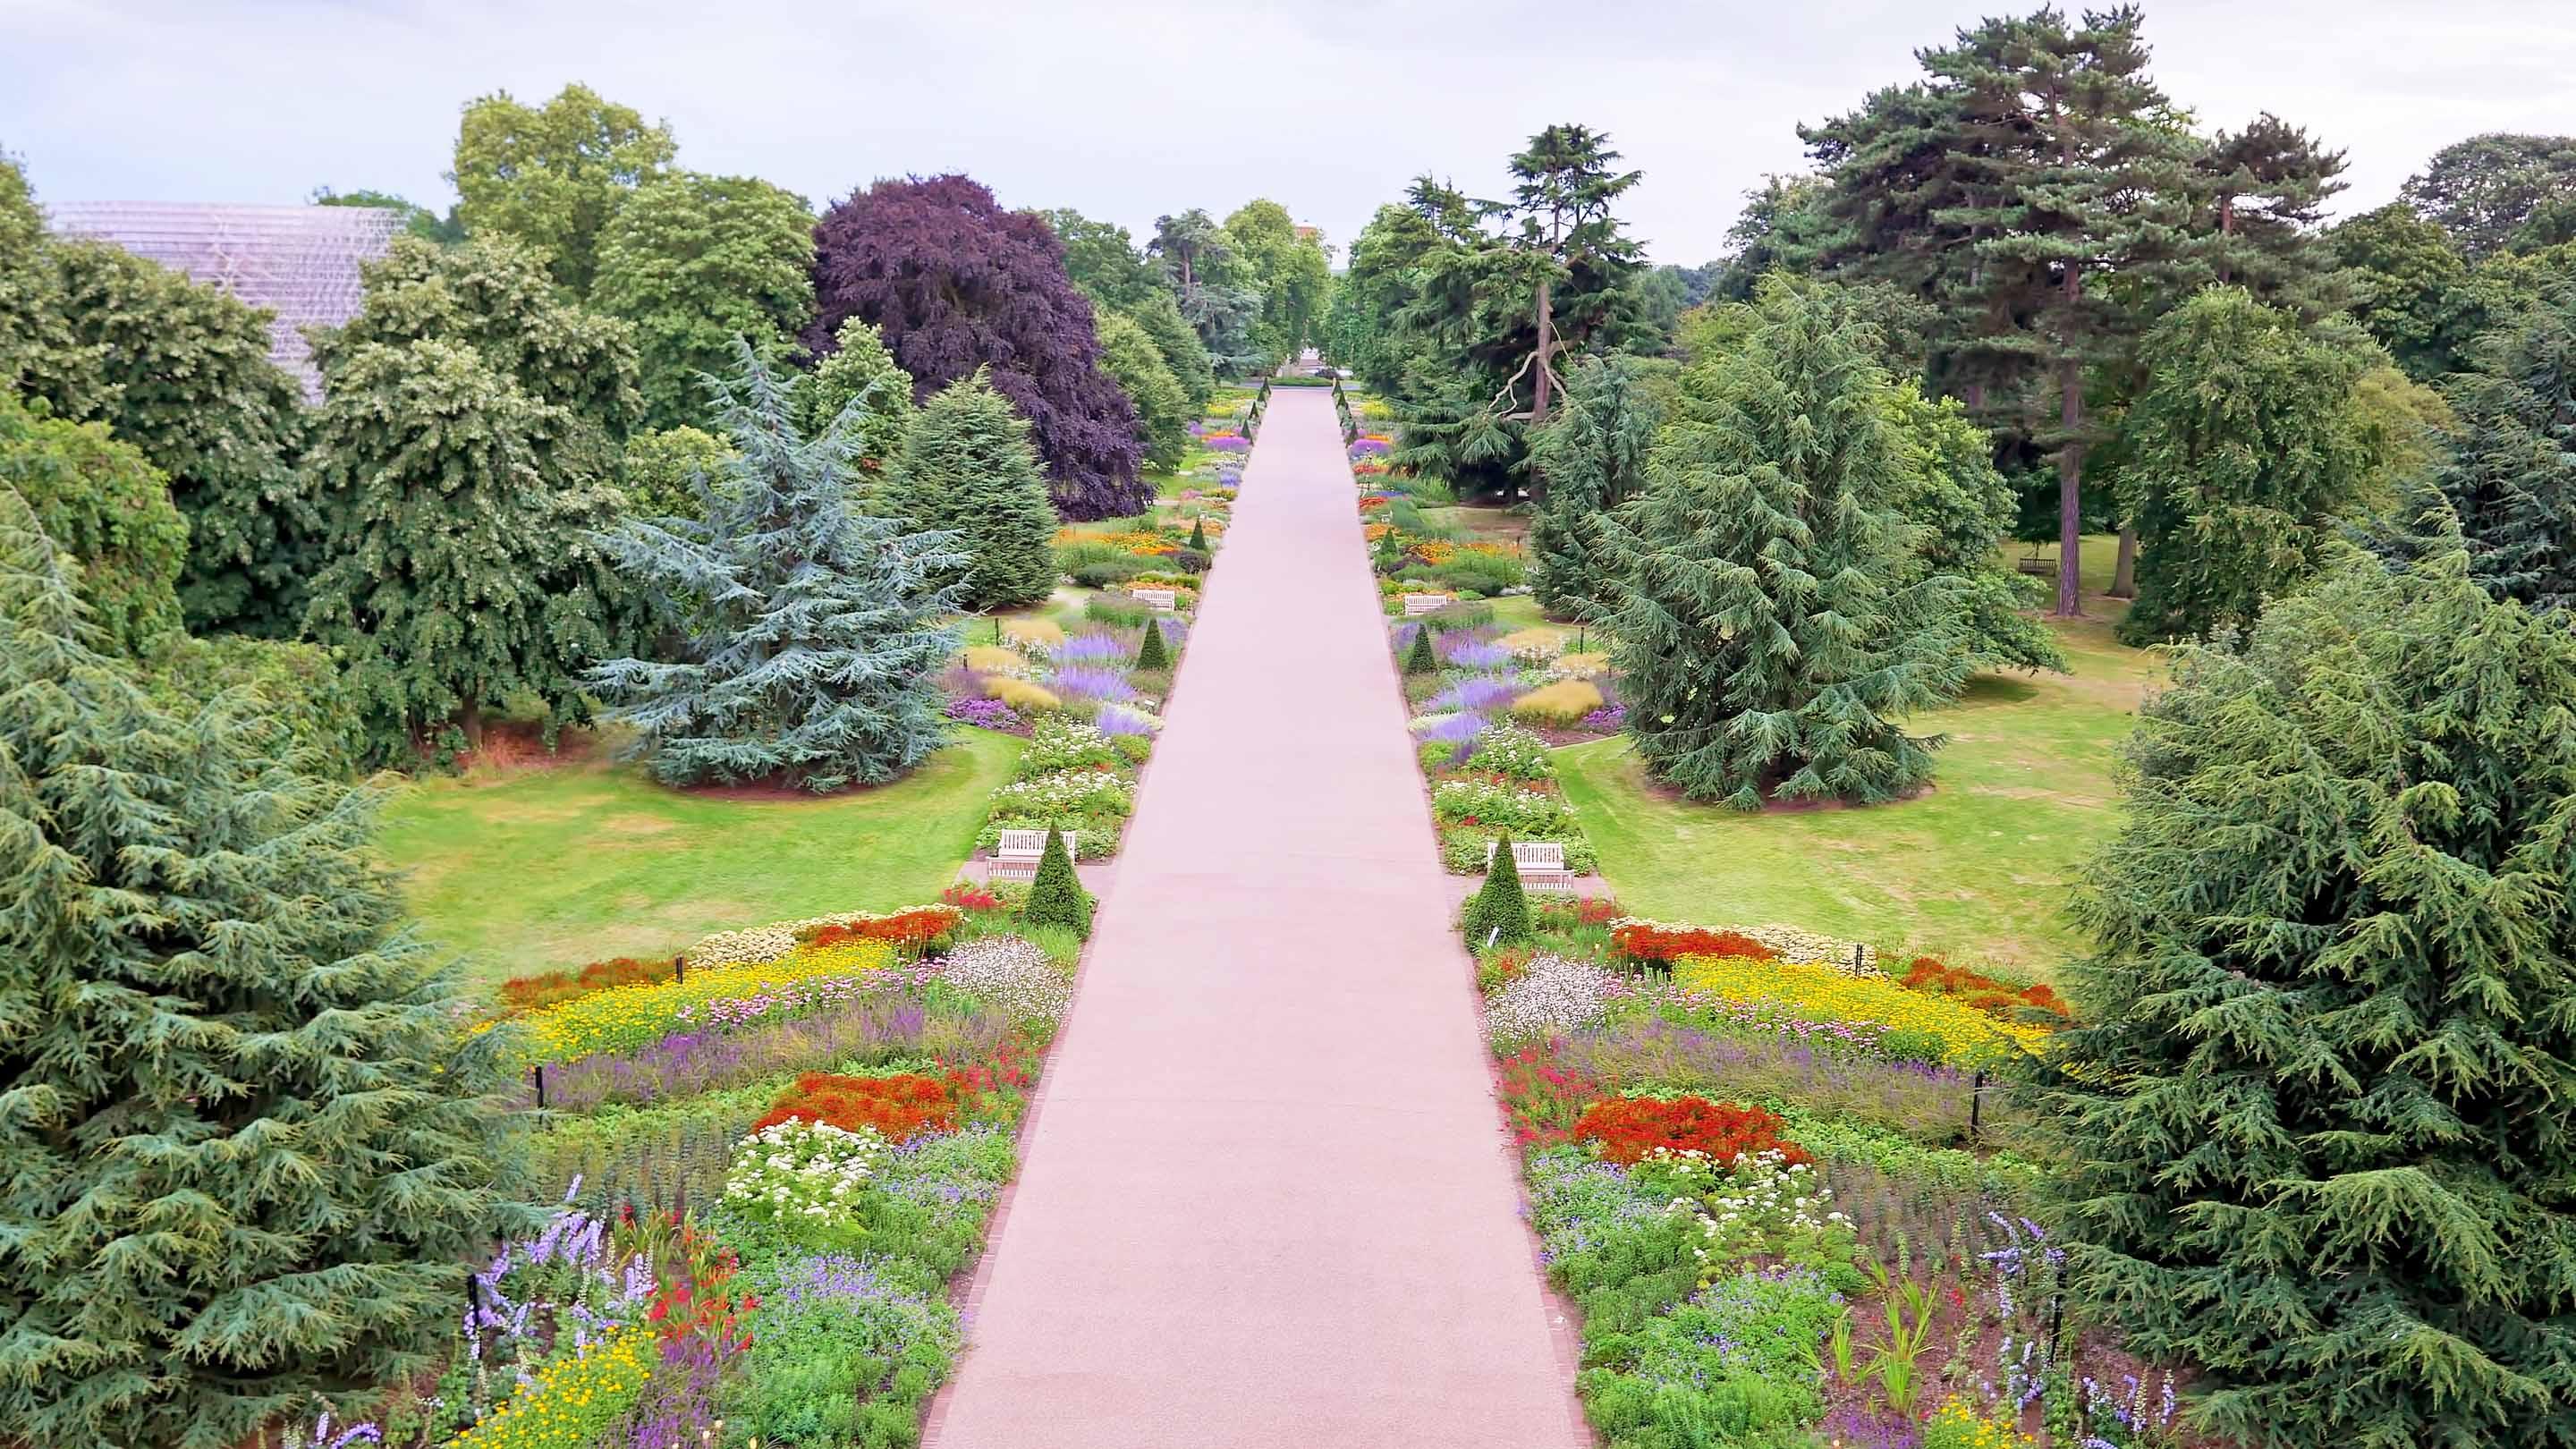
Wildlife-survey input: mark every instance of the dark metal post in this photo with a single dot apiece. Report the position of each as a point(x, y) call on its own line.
point(539, 1071)
point(1857, 967)
point(679, 968)
point(1976, 1105)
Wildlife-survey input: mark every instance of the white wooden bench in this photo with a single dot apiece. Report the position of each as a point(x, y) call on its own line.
point(1017, 857)
point(1419, 604)
point(1540, 862)
point(1163, 599)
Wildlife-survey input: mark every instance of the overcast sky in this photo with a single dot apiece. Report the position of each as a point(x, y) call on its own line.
point(1126, 109)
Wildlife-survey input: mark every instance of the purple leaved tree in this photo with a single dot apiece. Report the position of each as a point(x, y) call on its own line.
point(954, 283)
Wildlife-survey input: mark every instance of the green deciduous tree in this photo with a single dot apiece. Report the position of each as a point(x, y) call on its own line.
point(2239, 452)
point(553, 175)
point(418, 220)
point(455, 524)
point(661, 470)
point(969, 467)
point(694, 261)
point(1103, 260)
point(1772, 626)
point(182, 372)
point(1163, 413)
point(1965, 510)
point(859, 361)
point(1209, 283)
point(250, 1150)
point(2499, 192)
point(104, 504)
point(2314, 1114)
point(31, 326)
point(1362, 331)
point(813, 632)
point(1593, 455)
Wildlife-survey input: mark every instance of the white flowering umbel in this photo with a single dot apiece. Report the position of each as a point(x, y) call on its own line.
point(1760, 1203)
point(1012, 974)
point(801, 1169)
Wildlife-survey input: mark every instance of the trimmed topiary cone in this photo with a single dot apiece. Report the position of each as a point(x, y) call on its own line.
point(1056, 896)
point(1419, 659)
point(1152, 654)
point(1499, 903)
point(1198, 534)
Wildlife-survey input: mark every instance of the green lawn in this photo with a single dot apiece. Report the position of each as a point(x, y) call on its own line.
point(1975, 870)
point(545, 868)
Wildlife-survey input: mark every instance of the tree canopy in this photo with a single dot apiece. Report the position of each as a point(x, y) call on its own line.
point(968, 473)
point(812, 633)
point(553, 175)
point(1163, 412)
point(2499, 192)
point(693, 262)
point(2315, 1114)
point(104, 505)
point(251, 1147)
point(953, 283)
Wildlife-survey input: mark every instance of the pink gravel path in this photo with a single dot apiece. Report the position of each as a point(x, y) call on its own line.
point(1267, 1199)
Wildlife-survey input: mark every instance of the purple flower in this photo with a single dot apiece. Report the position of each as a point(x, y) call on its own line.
point(1085, 681)
point(1471, 653)
point(1476, 693)
point(1228, 443)
point(989, 714)
point(1368, 448)
point(1091, 649)
point(1229, 477)
point(1607, 720)
point(1117, 721)
point(1457, 729)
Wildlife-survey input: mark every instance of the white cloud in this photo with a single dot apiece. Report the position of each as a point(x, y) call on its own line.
point(1129, 108)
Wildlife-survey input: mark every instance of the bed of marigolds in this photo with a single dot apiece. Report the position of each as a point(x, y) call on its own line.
point(769, 1162)
point(1793, 1194)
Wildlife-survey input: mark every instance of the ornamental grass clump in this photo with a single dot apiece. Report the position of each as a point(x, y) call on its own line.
point(1561, 705)
point(1023, 696)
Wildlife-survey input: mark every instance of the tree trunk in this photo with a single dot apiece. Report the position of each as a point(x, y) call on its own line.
point(2070, 492)
point(2124, 574)
point(1546, 339)
point(469, 717)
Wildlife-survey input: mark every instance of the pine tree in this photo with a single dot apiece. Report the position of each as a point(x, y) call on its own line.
point(968, 467)
point(859, 363)
point(2510, 473)
point(2316, 1117)
point(1499, 911)
point(1772, 626)
point(1056, 896)
point(1419, 659)
point(1152, 653)
point(459, 574)
point(812, 634)
point(1592, 458)
point(2239, 452)
point(249, 1151)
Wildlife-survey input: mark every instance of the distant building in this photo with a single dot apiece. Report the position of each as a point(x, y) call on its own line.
point(300, 263)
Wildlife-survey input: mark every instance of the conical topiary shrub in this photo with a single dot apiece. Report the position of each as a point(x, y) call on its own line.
point(1198, 534)
point(1419, 659)
point(1056, 896)
point(1152, 654)
point(1499, 907)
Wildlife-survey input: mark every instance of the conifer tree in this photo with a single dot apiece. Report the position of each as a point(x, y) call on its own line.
point(1772, 624)
point(2316, 1117)
point(1592, 457)
point(859, 362)
point(812, 634)
point(180, 369)
point(1198, 534)
point(968, 468)
point(458, 575)
point(2240, 451)
point(249, 1151)
point(1500, 908)
point(1152, 653)
point(1419, 659)
point(2510, 473)
point(1056, 896)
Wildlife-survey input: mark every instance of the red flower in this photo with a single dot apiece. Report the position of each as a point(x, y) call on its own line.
point(1626, 1129)
point(1647, 941)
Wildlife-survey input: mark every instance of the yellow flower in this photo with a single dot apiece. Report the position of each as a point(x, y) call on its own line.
point(624, 1017)
point(1969, 1037)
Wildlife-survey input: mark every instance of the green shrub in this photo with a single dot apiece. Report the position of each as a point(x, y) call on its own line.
point(1499, 908)
point(1420, 660)
point(1107, 573)
point(1117, 612)
point(1463, 615)
point(1056, 897)
point(1151, 652)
